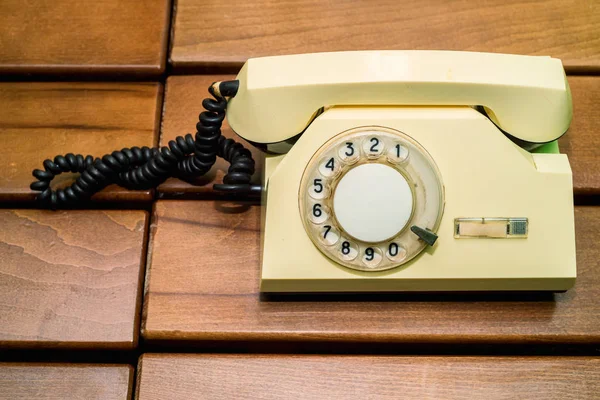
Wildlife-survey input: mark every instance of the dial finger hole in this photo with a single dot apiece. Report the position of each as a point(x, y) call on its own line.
point(329, 235)
point(373, 147)
point(398, 153)
point(319, 189)
point(372, 257)
point(395, 252)
point(329, 167)
point(348, 250)
point(319, 213)
point(349, 152)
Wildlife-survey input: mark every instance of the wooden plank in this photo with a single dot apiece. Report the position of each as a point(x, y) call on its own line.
point(203, 281)
point(60, 37)
point(183, 104)
point(220, 376)
point(232, 32)
point(65, 381)
point(582, 141)
point(42, 120)
point(71, 279)
point(184, 94)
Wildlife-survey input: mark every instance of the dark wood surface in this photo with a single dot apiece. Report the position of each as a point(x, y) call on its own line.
point(42, 120)
point(71, 279)
point(65, 381)
point(183, 104)
point(582, 141)
point(184, 94)
point(70, 37)
point(225, 34)
point(202, 286)
point(218, 376)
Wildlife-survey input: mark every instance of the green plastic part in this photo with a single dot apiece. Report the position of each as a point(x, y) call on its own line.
point(548, 148)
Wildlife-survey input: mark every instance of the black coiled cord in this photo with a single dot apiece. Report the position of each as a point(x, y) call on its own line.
point(145, 168)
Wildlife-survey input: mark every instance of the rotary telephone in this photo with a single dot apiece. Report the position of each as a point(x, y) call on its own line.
point(384, 170)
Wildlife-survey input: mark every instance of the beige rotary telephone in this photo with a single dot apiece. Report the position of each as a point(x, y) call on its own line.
point(385, 170)
point(410, 171)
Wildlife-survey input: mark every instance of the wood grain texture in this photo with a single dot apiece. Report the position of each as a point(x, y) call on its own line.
point(203, 278)
point(582, 141)
point(65, 381)
point(71, 278)
point(183, 104)
point(59, 37)
point(184, 94)
point(42, 120)
point(231, 32)
point(218, 376)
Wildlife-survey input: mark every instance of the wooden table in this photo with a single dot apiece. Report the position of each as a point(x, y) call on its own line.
point(42, 120)
point(176, 268)
point(212, 376)
point(65, 381)
point(70, 38)
point(233, 31)
point(71, 279)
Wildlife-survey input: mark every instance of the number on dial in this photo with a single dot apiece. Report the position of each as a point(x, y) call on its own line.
point(348, 152)
point(318, 185)
point(328, 167)
point(349, 149)
point(395, 252)
point(318, 190)
point(372, 257)
point(318, 213)
point(393, 249)
point(373, 147)
point(398, 153)
point(317, 210)
point(329, 235)
point(346, 248)
point(348, 251)
point(330, 164)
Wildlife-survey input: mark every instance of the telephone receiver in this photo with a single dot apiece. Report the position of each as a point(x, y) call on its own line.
point(384, 171)
point(526, 97)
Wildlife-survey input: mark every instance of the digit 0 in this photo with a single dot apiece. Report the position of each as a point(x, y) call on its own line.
point(393, 249)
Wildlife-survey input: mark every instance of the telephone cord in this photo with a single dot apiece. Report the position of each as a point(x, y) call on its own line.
point(144, 168)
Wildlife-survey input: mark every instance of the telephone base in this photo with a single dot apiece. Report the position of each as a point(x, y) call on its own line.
point(383, 286)
point(479, 295)
point(486, 177)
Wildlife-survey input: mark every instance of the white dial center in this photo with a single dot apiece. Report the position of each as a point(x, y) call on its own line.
point(373, 202)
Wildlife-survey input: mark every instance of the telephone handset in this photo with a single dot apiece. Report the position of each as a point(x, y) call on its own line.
point(385, 170)
point(528, 97)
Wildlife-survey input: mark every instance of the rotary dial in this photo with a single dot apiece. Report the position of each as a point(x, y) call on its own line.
point(371, 199)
